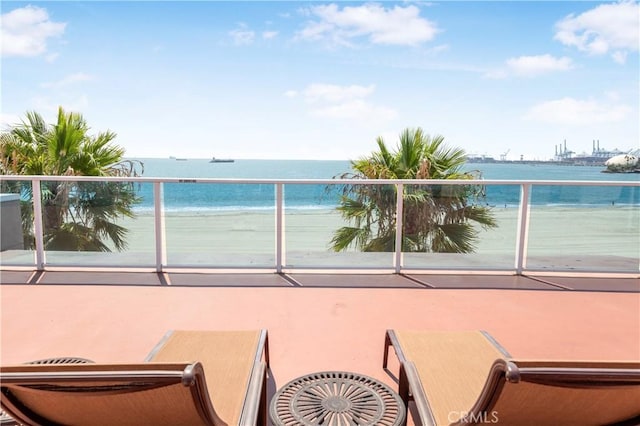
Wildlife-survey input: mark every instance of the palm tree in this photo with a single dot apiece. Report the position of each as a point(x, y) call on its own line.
point(437, 218)
point(76, 215)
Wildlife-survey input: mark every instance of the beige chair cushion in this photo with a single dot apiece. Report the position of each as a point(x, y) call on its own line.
point(228, 359)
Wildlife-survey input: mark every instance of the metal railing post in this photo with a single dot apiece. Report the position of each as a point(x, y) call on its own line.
point(399, 219)
point(41, 260)
point(279, 227)
point(38, 228)
point(159, 227)
point(523, 229)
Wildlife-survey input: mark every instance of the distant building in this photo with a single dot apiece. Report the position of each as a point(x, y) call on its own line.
point(598, 155)
point(474, 158)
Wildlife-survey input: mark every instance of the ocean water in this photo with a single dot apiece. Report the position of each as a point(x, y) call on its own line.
point(194, 197)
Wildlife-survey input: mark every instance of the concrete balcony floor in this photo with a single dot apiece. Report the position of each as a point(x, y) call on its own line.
point(315, 322)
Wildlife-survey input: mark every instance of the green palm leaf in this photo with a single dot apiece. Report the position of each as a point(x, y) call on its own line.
point(80, 215)
point(437, 218)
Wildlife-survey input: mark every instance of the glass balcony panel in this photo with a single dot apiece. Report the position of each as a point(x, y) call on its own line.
point(17, 245)
point(233, 225)
point(85, 224)
point(562, 236)
point(439, 246)
point(217, 225)
point(311, 226)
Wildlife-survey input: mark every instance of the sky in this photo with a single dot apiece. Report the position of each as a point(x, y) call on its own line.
point(323, 80)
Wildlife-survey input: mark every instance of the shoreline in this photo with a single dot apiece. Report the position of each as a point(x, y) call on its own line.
point(593, 230)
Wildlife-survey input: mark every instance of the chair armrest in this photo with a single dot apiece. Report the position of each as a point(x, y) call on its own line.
point(411, 386)
point(256, 397)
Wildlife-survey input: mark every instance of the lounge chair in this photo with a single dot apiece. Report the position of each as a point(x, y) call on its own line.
point(467, 378)
point(190, 378)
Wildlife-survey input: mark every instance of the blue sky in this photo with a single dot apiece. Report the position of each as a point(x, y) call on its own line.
point(322, 80)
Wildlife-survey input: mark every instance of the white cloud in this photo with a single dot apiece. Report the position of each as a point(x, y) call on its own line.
point(78, 103)
point(613, 95)
point(242, 35)
point(335, 93)
point(8, 120)
point(496, 74)
point(52, 57)
point(49, 107)
point(356, 109)
point(437, 49)
point(25, 31)
point(530, 66)
point(535, 65)
point(619, 56)
point(577, 112)
point(68, 80)
point(393, 26)
point(268, 35)
point(612, 27)
point(343, 102)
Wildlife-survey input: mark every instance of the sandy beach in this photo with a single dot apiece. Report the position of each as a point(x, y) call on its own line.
point(248, 237)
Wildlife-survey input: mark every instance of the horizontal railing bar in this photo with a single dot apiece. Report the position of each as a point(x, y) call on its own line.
point(534, 273)
point(320, 181)
point(162, 265)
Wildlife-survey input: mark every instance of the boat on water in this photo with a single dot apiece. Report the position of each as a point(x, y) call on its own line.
point(221, 160)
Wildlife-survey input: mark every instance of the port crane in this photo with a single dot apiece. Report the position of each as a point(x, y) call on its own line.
point(503, 156)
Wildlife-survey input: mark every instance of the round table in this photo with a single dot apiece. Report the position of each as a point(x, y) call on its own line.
point(336, 398)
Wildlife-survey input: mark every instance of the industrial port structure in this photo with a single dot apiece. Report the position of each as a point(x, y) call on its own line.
point(563, 155)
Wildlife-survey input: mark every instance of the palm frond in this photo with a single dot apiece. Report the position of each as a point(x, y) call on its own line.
point(437, 218)
point(454, 238)
point(76, 216)
point(347, 236)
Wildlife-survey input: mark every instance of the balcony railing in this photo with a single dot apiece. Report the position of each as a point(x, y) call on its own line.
point(246, 225)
